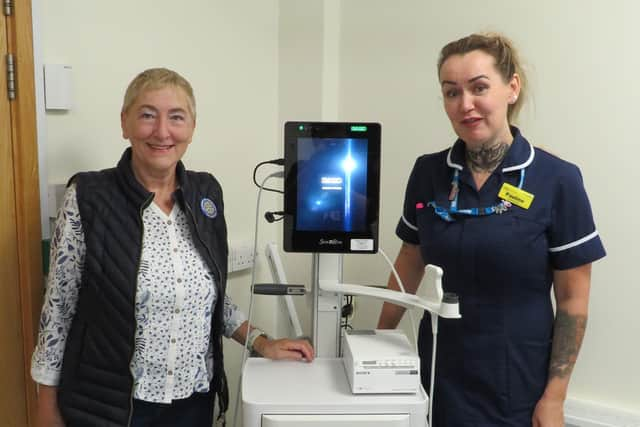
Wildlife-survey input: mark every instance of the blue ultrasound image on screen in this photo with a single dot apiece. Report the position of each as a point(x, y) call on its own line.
point(332, 184)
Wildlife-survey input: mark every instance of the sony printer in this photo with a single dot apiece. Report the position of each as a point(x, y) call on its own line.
point(380, 362)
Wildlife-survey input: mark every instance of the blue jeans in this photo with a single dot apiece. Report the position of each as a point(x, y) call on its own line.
point(194, 411)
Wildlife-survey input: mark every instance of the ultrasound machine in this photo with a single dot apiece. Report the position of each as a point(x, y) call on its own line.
point(331, 209)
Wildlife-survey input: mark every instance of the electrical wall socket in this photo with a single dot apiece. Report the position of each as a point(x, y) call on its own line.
point(241, 256)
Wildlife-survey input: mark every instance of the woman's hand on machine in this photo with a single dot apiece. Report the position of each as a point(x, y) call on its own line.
point(284, 349)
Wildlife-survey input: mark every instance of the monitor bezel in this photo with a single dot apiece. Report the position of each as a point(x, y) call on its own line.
point(296, 240)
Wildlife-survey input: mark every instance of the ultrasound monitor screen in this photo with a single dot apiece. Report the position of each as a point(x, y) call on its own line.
point(332, 184)
point(332, 187)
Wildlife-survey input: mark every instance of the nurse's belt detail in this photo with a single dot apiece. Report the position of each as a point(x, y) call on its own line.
point(515, 195)
point(502, 207)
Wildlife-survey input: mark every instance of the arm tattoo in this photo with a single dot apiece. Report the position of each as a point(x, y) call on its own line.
point(568, 332)
point(487, 159)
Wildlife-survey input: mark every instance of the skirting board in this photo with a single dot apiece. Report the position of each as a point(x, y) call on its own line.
point(582, 413)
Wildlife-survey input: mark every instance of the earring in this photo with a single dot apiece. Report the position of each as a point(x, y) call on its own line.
point(514, 98)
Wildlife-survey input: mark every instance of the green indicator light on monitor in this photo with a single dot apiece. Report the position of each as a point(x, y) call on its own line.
point(301, 127)
point(358, 128)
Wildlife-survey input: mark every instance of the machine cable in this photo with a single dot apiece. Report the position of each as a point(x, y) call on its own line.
point(245, 352)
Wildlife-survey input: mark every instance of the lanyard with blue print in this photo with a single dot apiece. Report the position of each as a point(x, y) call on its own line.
point(446, 213)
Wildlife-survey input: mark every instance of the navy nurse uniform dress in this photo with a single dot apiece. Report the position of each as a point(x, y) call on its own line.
point(491, 365)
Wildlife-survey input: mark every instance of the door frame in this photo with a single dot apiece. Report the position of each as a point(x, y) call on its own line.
point(27, 192)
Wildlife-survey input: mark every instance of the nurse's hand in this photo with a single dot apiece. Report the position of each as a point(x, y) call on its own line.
point(284, 349)
point(549, 412)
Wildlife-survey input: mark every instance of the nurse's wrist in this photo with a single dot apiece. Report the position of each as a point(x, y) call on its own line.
point(556, 390)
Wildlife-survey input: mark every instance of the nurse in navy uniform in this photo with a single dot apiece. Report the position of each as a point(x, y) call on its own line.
point(508, 223)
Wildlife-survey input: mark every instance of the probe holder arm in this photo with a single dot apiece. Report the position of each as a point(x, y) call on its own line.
point(443, 306)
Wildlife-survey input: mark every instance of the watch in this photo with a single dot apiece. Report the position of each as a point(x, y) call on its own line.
point(253, 335)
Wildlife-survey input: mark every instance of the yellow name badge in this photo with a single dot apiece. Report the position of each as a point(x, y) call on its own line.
point(515, 195)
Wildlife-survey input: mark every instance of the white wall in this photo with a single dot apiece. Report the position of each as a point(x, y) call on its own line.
point(255, 64)
point(583, 63)
point(300, 88)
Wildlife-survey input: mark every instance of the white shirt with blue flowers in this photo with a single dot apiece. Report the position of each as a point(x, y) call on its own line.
point(174, 299)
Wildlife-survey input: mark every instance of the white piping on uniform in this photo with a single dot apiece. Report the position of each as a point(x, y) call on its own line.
point(574, 244)
point(523, 165)
point(532, 154)
point(408, 224)
point(450, 162)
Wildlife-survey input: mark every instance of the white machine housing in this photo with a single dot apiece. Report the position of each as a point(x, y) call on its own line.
point(380, 362)
point(317, 394)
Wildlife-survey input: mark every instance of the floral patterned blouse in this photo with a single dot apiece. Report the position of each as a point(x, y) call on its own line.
point(174, 299)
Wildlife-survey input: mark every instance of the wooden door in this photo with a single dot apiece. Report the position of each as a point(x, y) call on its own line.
point(12, 380)
point(20, 234)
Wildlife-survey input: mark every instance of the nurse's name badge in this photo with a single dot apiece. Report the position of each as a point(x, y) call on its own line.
point(515, 195)
point(208, 208)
